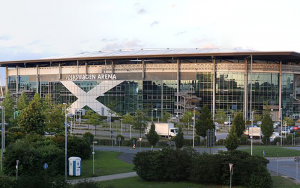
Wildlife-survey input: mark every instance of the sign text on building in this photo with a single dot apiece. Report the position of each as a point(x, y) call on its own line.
point(92, 77)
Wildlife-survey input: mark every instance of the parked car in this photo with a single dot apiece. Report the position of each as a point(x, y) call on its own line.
point(285, 130)
point(227, 123)
point(295, 128)
point(273, 136)
point(216, 126)
point(259, 123)
point(275, 125)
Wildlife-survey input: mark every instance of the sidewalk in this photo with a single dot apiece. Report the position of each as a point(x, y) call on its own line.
point(105, 178)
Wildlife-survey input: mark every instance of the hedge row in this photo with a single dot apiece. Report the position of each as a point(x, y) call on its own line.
point(181, 165)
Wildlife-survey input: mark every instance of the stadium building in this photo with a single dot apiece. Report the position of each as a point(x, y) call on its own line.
point(173, 80)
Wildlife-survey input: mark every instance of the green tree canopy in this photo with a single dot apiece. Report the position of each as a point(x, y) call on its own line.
point(289, 121)
point(220, 116)
point(267, 125)
point(8, 104)
point(128, 119)
point(179, 140)
point(94, 119)
point(205, 122)
point(152, 136)
point(238, 124)
point(187, 117)
point(140, 121)
point(32, 118)
point(166, 116)
point(232, 141)
point(23, 102)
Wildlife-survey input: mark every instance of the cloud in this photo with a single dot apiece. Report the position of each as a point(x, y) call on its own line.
point(154, 23)
point(180, 33)
point(5, 37)
point(123, 44)
point(142, 11)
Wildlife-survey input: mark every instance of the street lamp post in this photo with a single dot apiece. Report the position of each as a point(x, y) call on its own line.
point(94, 142)
point(252, 115)
point(152, 115)
point(3, 135)
point(156, 113)
point(66, 141)
point(121, 126)
point(130, 132)
point(194, 127)
point(281, 126)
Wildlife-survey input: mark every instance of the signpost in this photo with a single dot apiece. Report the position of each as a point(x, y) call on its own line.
point(296, 159)
point(231, 172)
point(140, 139)
point(17, 168)
point(277, 164)
point(210, 139)
point(119, 139)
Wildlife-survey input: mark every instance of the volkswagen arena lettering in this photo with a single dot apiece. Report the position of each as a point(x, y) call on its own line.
point(92, 77)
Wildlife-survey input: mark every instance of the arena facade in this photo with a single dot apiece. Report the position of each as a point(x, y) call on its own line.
point(172, 80)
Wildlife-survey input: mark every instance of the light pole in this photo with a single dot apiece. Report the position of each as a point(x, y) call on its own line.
point(3, 135)
point(152, 115)
point(94, 142)
point(252, 114)
point(121, 126)
point(111, 133)
point(281, 126)
point(66, 141)
point(156, 113)
point(194, 127)
point(130, 132)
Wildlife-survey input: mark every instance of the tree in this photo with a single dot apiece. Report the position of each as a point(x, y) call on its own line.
point(8, 104)
point(238, 124)
point(166, 116)
point(205, 122)
point(140, 121)
point(32, 118)
point(152, 136)
point(179, 140)
point(94, 119)
point(289, 121)
point(23, 102)
point(54, 119)
point(128, 120)
point(267, 126)
point(220, 116)
point(187, 118)
point(232, 141)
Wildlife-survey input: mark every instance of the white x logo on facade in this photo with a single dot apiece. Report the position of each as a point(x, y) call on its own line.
point(90, 98)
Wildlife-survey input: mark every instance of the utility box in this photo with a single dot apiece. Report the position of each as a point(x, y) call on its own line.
point(74, 166)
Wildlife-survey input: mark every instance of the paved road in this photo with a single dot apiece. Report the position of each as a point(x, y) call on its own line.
point(105, 178)
point(285, 167)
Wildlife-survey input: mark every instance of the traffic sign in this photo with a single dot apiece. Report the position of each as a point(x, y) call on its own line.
point(45, 166)
point(119, 139)
point(231, 168)
point(140, 139)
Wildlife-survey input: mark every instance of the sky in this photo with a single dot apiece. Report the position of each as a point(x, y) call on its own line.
point(41, 28)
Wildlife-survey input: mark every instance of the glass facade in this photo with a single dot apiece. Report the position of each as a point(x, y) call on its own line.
point(137, 93)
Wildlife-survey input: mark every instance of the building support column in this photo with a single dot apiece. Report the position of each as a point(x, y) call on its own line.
point(280, 77)
point(178, 86)
point(37, 78)
point(246, 91)
point(6, 80)
point(17, 82)
point(214, 87)
point(77, 68)
point(112, 67)
point(143, 69)
point(60, 71)
point(251, 88)
point(162, 99)
point(86, 67)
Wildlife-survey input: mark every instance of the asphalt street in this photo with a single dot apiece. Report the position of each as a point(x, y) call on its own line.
point(287, 167)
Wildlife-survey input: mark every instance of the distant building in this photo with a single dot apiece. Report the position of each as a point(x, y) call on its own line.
point(173, 80)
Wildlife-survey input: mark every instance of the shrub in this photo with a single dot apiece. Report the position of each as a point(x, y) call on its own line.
point(32, 156)
point(220, 142)
point(89, 137)
point(78, 147)
point(243, 140)
point(159, 165)
point(122, 139)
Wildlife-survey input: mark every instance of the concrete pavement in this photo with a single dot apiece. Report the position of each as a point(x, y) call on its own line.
point(105, 178)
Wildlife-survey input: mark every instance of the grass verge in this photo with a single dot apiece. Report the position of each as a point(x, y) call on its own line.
point(272, 151)
point(278, 182)
point(106, 163)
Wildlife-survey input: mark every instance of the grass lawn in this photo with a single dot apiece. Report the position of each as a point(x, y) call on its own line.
point(271, 151)
point(106, 163)
point(278, 182)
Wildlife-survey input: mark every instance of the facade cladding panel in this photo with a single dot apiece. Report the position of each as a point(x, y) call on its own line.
point(172, 84)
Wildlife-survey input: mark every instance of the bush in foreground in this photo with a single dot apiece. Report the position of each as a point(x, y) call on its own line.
point(188, 164)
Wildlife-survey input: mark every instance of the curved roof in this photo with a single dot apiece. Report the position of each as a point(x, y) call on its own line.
point(168, 53)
